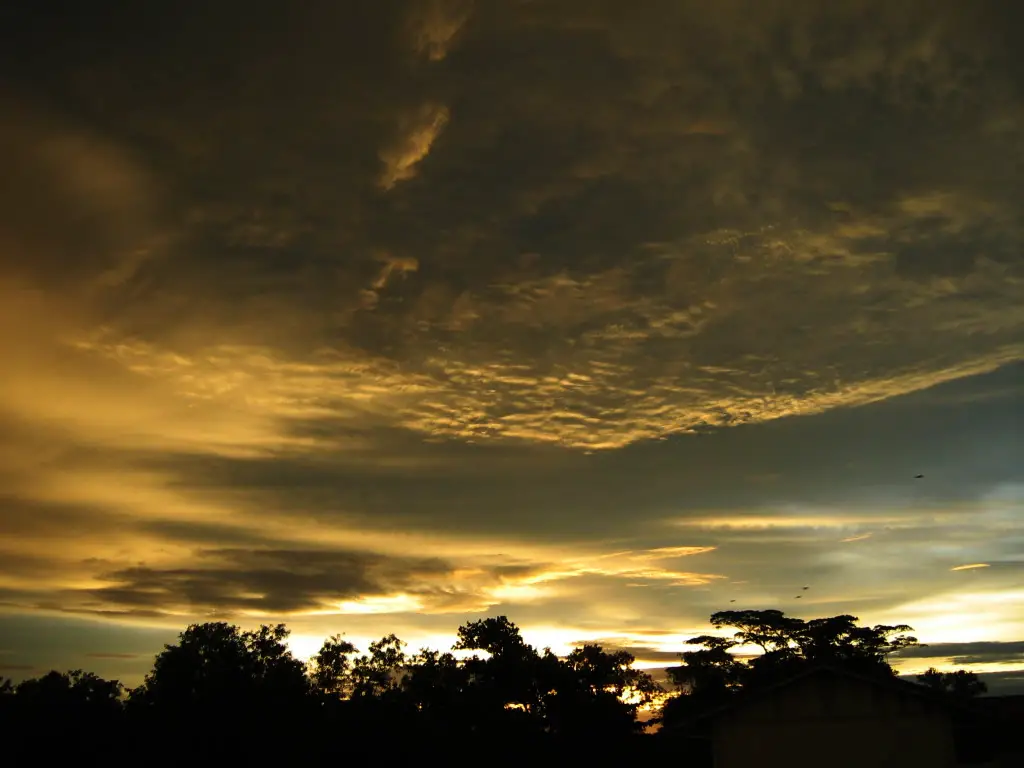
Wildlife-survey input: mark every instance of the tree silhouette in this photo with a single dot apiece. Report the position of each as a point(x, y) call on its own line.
point(216, 665)
point(231, 694)
point(76, 713)
point(274, 670)
point(381, 671)
point(770, 630)
point(6, 699)
point(709, 676)
point(331, 667)
point(705, 679)
point(789, 643)
point(72, 694)
point(591, 690)
point(497, 636)
point(435, 682)
point(838, 640)
point(960, 684)
point(711, 670)
point(602, 690)
point(506, 681)
point(604, 672)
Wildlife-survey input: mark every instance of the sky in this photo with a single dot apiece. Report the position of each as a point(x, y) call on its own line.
point(380, 316)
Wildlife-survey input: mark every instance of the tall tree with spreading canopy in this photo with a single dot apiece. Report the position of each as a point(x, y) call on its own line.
point(709, 676)
point(216, 662)
point(506, 680)
point(435, 683)
point(331, 667)
point(601, 691)
point(381, 671)
point(74, 694)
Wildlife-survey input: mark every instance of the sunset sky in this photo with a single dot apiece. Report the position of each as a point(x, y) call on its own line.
point(371, 316)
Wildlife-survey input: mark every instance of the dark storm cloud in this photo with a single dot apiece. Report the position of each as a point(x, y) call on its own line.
point(992, 652)
point(280, 580)
point(203, 534)
point(104, 200)
point(641, 652)
point(24, 566)
point(273, 279)
point(21, 517)
point(226, 581)
point(1004, 683)
point(107, 655)
point(563, 225)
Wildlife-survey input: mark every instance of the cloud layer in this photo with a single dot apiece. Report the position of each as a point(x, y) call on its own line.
point(612, 236)
point(453, 306)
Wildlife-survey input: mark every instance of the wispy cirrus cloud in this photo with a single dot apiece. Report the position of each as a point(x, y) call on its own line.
point(435, 25)
point(416, 134)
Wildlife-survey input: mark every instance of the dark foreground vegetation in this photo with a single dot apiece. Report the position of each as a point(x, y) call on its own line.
point(223, 694)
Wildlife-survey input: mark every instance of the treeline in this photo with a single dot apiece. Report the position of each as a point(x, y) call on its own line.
point(222, 691)
point(786, 645)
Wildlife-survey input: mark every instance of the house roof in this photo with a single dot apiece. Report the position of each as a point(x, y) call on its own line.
point(1002, 707)
point(895, 685)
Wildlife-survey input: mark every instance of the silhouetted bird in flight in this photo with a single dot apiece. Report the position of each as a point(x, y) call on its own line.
point(799, 596)
point(732, 601)
point(918, 477)
point(806, 587)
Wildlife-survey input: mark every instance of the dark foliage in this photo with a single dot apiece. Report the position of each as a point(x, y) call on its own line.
point(960, 685)
point(710, 676)
point(220, 693)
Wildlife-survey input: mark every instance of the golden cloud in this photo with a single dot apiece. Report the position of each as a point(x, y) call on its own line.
point(436, 23)
point(417, 134)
